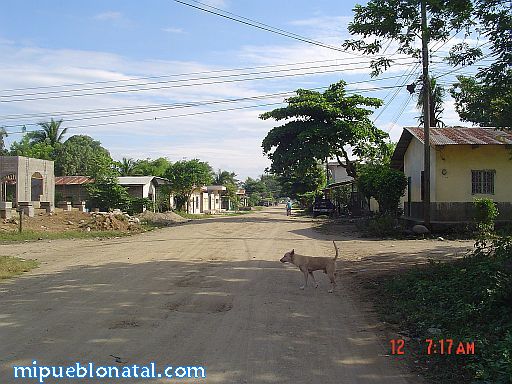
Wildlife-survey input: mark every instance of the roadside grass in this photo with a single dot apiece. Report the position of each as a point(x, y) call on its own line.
point(13, 266)
point(28, 235)
point(468, 300)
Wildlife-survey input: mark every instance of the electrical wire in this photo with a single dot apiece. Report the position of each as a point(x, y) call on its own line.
point(266, 27)
point(174, 84)
point(348, 91)
point(345, 63)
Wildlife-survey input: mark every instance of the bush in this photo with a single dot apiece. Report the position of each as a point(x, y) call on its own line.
point(486, 212)
point(467, 300)
point(138, 204)
point(385, 184)
point(306, 200)
point(380, 226)
point(485, 216)
point(107, 195)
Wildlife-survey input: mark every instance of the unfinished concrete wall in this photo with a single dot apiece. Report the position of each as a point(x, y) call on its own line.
point(24, 168)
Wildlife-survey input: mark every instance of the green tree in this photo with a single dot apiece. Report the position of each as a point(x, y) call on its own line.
point(228, 179)
point(254, 186)
point(272, 185)
point(320, 126)
point(487, 105)
point(28, 148)
point(384, 184)
point(437, 95)
point(82, 155)
point(378, 22)
point(185, 176)
point(296, 183)
point(148, 167)
point(50, 133)
point(224, 178)
point(106, 194)
point(125, 167)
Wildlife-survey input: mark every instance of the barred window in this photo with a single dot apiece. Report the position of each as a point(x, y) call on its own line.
point(482, 182)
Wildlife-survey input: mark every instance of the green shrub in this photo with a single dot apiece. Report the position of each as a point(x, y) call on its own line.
point(380, 226)
point(306, 200)
point(107, 195)
point(485, 217)
point(467, 300)
point(385, 184)
point(138, 204)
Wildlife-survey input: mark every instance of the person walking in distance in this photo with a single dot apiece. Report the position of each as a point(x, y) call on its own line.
point(289, 208)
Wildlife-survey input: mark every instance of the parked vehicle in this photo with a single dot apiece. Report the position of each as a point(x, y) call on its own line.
point(323, 207)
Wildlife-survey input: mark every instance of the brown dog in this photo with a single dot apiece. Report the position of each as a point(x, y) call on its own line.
point(308, 264)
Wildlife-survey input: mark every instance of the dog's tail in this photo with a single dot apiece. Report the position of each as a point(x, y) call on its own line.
point(336, 248)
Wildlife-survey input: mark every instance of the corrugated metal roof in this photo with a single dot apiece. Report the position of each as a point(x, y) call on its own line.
point(134, 180)
point(461, 135)
point(72, 180)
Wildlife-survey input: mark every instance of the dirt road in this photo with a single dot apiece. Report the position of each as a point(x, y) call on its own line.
point(209, 293)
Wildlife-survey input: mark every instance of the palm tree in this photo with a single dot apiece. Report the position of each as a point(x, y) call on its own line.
point(50, 133)
point(437, 94)
point(126, 166)
point(224, 177)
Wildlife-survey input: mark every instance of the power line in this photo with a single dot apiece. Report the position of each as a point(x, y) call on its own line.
point(406, 78)
point(154, 118)
point(184, 85)
point(181, 80)
point(461, 67)
point(348, 91)
point(266, 27)
point(188, 74)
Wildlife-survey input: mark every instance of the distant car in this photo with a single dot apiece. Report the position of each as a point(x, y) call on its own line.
point(322, 207)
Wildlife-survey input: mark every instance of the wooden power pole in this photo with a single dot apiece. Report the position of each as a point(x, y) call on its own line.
point(426, 115)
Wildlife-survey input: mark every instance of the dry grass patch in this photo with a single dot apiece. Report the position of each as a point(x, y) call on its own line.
point(14, 266)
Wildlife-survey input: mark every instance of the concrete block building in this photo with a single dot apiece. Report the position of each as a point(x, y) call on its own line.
point(26, 180)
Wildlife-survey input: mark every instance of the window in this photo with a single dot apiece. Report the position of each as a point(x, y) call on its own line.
point(482, 182)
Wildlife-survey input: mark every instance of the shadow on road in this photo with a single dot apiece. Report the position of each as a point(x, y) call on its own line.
point(245, 321)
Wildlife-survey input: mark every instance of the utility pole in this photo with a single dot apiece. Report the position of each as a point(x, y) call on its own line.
point(426, 115)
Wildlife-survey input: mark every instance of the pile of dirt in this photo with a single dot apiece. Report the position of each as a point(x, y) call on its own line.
point(162, 219)
point(47, 222)
point(110, 221)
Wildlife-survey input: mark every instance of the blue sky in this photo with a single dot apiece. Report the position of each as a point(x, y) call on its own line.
point(50, 43)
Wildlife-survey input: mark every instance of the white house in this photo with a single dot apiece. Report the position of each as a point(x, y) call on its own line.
point(143, 186)
point(206, 199)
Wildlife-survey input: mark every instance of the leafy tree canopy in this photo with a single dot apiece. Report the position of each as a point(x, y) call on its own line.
point(50, 133)
point(385, 184)
point(28, 148)
point(225, 178)
point(487, 105)
point(379, 21)
point(186, 175)
point(294, 184)
point(320, 126)
point(148, 167)
point(82, 155)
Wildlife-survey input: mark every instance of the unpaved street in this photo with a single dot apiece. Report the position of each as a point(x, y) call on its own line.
point(209, 293)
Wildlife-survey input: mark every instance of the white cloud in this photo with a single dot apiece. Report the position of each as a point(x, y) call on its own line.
point(173, 30)
point(229, 140)
point(216, 3)
point(110, 15)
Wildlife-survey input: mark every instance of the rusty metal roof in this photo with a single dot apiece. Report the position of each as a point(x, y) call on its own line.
point(462, 135)
point(72, 180)
point(449, 136)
